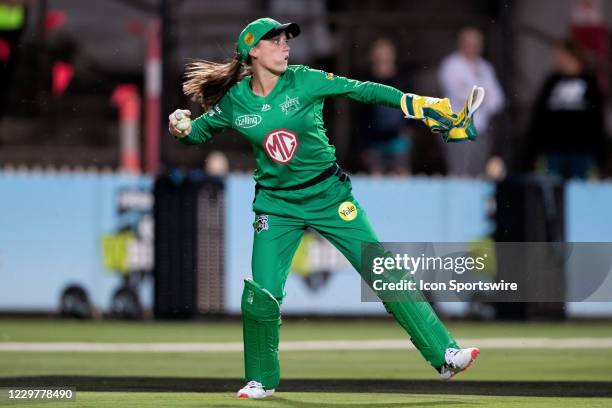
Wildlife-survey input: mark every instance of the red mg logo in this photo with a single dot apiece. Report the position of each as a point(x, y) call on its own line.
point(281, 145)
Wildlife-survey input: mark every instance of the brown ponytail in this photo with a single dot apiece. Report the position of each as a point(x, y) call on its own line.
point(207, 82)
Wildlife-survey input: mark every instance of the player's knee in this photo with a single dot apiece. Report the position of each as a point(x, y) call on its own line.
point(271, 286)
point(258, 303)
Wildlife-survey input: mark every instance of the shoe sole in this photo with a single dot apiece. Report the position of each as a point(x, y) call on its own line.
point(245, 395)
point(473, 356)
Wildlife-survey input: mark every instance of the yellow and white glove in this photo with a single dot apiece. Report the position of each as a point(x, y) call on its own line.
point(180, 122)
point(438, 115)
point(435, 113)
point(463, 127)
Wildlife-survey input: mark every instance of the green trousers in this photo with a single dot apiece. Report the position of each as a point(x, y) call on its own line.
point(328, 207)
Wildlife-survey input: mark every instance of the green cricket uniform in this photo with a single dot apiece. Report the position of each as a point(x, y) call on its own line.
point(286, 127)
point(291, 148)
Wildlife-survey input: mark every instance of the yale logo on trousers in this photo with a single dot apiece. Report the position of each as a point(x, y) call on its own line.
point(347, 211)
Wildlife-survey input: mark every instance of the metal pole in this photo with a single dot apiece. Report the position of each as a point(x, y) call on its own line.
point(166, 64)
point(507, 44)
point(44, 65)
point(127, 99)
point(153, 88)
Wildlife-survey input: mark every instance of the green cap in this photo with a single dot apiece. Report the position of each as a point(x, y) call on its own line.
point(260, 28)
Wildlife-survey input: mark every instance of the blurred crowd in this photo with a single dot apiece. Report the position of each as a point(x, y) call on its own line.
point(565, 135)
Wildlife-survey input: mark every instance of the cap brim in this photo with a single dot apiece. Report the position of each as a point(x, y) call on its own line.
point(291, 29)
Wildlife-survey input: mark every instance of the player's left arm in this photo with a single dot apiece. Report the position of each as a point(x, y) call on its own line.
point(321, 84)
point(434, 112)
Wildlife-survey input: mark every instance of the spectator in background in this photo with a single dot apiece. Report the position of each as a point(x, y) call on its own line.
point(567, 125)
point(383, 130)
point(457, 74)
point(12, 23)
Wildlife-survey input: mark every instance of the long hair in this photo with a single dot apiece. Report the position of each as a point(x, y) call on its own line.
point(207, 82)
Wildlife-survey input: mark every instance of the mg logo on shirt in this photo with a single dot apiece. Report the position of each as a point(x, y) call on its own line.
point(281, 145)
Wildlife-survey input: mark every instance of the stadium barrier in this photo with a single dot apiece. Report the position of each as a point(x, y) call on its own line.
point(92, 229)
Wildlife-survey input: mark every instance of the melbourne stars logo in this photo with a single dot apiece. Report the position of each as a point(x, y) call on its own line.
point(290, 104)
point(261, 223)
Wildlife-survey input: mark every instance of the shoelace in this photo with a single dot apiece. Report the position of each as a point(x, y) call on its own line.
point(254, 384)
point(450, 353)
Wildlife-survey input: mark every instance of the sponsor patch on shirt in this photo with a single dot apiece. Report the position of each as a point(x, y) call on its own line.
point(328, 75)
point(281, 145)
point(247, 121)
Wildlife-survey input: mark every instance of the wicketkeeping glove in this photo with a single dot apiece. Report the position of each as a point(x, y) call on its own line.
point(435, 113)
point(438, 115)
point(180, 119)
point(463, 127)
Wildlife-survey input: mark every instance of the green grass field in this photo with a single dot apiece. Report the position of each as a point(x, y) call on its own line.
point(318, 400)
point(514, 377)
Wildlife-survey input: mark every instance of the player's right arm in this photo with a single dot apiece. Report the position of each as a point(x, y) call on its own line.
point(204, 127)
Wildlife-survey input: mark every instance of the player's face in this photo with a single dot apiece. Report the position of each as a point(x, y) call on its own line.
point(272, 54)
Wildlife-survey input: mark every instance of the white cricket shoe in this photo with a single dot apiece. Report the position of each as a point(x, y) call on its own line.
point(254, 390)
point(457, 360)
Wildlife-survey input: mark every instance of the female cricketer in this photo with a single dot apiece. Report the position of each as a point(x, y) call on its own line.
point(278, 108)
